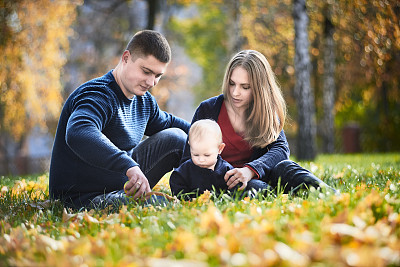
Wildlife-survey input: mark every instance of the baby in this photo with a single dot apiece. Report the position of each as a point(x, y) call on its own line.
point(206, 169)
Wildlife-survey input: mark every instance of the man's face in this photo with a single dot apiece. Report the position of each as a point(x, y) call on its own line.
point(139, 76)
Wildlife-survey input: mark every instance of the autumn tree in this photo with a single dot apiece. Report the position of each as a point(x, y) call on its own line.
point(236, 40)
point(267, 27)
point(353, 48)
point(368, 34)
point(33, 47)
point(329, 85)
point(306, 143)
point(210, 38)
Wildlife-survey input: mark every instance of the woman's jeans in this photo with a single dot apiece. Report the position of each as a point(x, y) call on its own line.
point(156, 155)
point(288, 177)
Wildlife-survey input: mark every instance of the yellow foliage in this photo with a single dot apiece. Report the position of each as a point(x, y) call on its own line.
point(204, 198)
point(37, 190)
point(359, 227)
point(32, 63)
point(163, 184)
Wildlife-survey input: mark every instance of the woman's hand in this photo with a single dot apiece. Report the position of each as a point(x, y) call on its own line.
point(238, 175)
point(138, 185)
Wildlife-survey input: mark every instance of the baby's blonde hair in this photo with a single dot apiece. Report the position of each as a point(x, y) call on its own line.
point(205, 128)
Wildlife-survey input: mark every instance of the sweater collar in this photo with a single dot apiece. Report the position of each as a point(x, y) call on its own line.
point(116, 88)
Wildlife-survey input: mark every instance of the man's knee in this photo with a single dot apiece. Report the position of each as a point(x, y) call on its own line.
point(175, 135)
point(173, 140)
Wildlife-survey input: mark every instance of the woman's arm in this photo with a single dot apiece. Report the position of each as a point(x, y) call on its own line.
point(239, 175)
point(265, 159)
point(259, 168)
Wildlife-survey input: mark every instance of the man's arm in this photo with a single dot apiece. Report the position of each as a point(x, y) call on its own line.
point(137, 184)
point(161, 120)
point(84, 134)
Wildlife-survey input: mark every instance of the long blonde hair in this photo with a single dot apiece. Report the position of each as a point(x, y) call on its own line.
point(266, 113)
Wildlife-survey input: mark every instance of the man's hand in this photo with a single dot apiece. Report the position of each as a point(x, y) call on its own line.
point(238, 175)
point(138, 184)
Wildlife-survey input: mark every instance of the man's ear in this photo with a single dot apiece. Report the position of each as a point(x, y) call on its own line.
point(221, 147)
point(125, 56)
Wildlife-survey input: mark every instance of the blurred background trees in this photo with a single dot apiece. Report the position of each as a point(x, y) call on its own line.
point(354, 49)
point(306, 135)
point(33, 46)
point(48, 48)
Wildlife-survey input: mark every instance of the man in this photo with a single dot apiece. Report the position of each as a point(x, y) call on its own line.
point(98, 145)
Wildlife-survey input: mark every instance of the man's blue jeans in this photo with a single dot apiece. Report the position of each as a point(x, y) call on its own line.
point(156, 155)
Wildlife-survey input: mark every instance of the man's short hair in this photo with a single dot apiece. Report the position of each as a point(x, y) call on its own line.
point(148, 42)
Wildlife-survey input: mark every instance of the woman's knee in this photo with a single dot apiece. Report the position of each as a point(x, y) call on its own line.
point(283, 168)
point(258, 185)
point(285, 164)
point(289, 173)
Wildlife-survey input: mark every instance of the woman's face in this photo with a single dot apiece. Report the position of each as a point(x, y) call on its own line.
point(239, 88)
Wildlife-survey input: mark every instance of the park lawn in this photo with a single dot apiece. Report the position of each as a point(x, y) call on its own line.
point(361, 227)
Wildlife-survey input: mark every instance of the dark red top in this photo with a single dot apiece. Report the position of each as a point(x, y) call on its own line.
point(237, 151)
point(263, 159)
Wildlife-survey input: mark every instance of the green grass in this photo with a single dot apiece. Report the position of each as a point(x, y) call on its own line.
point(358, 228)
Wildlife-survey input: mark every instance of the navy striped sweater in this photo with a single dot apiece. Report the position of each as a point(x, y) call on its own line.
point(97, 131)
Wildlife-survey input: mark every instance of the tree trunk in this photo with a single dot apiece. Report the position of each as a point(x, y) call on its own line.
point(236, 39)
point(329, 84)
point(306, 145)
point(151, 14)
point(9, 151)
point(4, 156)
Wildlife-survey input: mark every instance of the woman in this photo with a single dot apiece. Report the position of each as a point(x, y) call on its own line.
point(251, 113)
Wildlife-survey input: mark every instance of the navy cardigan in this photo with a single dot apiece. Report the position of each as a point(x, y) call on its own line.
point(263, 159)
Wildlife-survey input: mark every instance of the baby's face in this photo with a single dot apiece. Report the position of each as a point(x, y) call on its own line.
point(204, 153)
